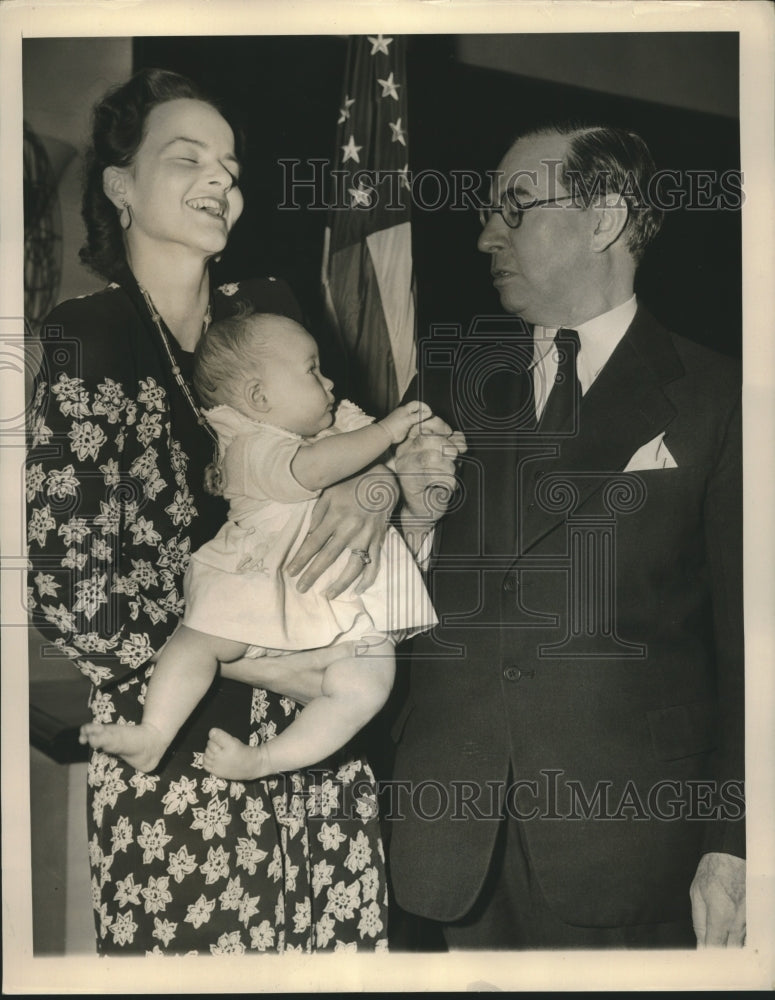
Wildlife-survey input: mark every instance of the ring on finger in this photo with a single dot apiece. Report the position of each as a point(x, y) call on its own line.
point(363, 555)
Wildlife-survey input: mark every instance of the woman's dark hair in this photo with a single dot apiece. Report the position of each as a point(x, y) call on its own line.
point(118, 128)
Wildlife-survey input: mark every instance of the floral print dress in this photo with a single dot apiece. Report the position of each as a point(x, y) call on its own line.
point(181, 861)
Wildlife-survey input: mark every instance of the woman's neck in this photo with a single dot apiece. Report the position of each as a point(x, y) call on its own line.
point(180, 291)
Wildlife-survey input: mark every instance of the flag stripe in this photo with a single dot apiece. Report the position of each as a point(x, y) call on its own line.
point(371, 366)
point(391, 254)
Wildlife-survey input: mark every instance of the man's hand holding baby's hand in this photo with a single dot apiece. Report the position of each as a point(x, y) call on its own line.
point(426, 468)
point(398, 423)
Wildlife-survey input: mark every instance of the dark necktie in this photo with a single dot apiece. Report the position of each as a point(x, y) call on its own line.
point(566, 392)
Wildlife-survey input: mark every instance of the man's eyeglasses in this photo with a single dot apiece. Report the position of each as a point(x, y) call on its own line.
point(512, 211)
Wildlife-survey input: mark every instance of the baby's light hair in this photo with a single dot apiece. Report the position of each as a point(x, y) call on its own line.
point(228, 349)
point(225, 352)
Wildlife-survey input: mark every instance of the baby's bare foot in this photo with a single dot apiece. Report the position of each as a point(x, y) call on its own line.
point(227, 757)
point(141, 746)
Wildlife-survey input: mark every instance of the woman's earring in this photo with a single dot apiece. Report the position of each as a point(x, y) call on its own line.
point(125, 216)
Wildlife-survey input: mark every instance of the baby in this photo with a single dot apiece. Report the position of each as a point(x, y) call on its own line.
point(279, 445)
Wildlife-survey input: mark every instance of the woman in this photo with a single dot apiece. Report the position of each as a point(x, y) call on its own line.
point(181, 861)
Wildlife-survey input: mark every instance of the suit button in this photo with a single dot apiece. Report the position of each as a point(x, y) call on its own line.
point(512, 673)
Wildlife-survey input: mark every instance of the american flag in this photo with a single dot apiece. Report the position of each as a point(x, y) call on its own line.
point(367, 274)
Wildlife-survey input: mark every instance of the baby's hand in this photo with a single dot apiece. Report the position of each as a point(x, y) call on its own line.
point(398, 423)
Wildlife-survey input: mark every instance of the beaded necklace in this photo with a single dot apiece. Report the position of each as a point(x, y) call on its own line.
point(213, 481)
point(176, 372)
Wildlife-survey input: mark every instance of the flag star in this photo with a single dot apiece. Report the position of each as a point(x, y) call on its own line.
point(403, 174)
point(351, 151)
point(360, 195)
point(399, 134)
point(389, 87)
point(344, 113)
point(379, 44)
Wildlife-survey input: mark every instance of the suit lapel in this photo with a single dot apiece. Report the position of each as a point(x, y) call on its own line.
point(624, 408)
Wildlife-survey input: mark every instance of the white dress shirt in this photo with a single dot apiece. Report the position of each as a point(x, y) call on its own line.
point(597, 339)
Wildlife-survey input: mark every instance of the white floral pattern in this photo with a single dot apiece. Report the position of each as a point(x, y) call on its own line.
point(181, 861)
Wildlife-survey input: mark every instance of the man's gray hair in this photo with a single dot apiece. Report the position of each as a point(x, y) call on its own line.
point(603, 160)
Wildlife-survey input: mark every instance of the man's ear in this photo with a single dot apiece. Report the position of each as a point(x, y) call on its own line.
point(610, 217)
point(115, 184)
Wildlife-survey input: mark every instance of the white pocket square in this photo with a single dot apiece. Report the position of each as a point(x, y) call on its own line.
point(653, 455)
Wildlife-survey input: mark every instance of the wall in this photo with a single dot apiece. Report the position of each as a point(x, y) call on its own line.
point(679, 69)
point(63, 921)
point(62, 79)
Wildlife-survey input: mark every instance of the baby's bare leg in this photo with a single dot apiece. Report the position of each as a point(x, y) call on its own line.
point(184, 672)
point(355, 687)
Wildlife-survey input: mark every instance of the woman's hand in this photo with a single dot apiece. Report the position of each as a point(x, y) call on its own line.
point(296, 675)
point(350, 515)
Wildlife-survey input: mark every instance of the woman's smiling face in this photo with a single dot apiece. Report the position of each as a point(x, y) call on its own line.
point(182, 186)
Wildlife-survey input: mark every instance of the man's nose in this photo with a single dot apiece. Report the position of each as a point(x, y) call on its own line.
point(491, 237)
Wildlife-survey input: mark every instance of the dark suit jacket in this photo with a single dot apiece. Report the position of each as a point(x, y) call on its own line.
point(590, 650)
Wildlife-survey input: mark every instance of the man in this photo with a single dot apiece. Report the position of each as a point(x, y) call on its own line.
point(571, 750)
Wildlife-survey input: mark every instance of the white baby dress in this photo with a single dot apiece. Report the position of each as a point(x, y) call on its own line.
point(236, 585)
